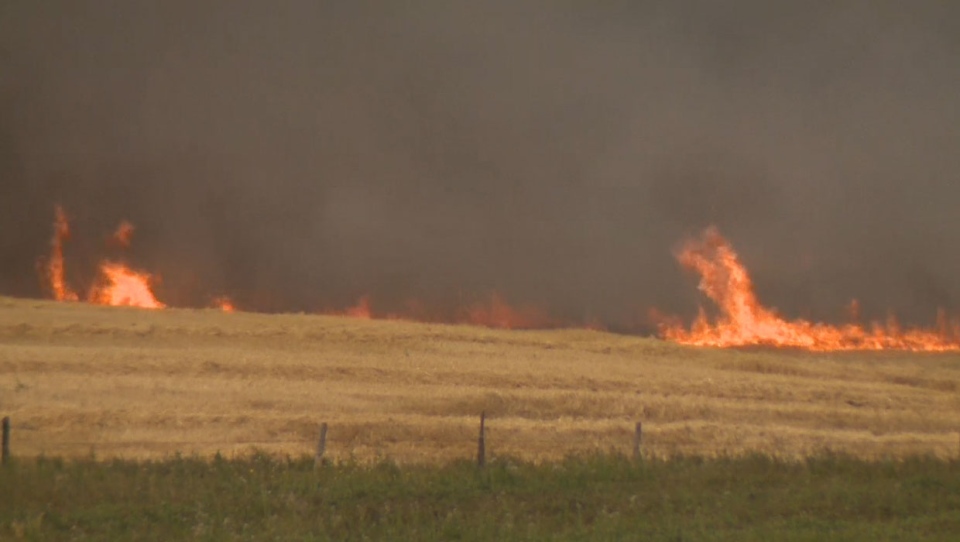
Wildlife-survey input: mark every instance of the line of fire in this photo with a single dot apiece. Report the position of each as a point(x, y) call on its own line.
point(741, 320)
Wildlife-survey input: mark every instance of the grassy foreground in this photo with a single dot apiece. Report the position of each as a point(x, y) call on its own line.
point(602, 497)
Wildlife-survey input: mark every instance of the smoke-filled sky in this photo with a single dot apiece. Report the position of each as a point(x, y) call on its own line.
point(299, 154)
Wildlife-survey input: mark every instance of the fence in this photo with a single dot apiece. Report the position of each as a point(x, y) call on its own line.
point(5, 453)
point(636, 448)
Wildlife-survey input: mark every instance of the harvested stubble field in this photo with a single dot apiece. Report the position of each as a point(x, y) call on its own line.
point(78, 379)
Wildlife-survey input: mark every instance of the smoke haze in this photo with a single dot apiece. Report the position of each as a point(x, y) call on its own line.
point(297, 155)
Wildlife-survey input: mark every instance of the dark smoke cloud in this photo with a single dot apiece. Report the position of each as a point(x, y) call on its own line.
point(299, 154)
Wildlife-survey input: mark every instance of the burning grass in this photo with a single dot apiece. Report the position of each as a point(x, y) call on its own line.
point(141, 384)
point(117, 284)
point(744, 321)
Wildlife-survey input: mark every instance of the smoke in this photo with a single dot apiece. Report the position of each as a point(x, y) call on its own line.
point(299, 154)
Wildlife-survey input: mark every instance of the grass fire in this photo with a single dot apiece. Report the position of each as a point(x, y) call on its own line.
point(744, 321)
point(358, 270)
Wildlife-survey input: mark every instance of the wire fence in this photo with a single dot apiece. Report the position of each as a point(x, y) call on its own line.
point(637, 441)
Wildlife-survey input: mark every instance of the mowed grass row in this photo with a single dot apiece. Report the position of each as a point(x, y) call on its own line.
point(601, 497)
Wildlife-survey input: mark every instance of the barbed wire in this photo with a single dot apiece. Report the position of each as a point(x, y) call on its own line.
point(651, 440)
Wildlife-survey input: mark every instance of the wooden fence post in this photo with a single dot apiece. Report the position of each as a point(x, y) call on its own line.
point(6, 440)
point(637, 437)
point(481, 447)
point(321, 445)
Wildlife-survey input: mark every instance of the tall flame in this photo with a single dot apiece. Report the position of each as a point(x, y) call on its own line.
point(55, 267)
point(743, 321)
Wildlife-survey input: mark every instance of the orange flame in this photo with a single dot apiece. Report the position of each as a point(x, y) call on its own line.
point(117, 284)
point(744, 321)
point(55, 266)
point(121, 286)
point(225, 304)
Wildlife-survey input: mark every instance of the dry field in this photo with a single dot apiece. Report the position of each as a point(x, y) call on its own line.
point(79, 379)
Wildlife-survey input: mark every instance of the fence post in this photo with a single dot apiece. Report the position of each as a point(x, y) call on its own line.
point(6, 440)
point(321, 445)
point(481, 448)
point(637, 437)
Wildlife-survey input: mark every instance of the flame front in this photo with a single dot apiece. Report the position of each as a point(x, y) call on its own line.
point(743, 321)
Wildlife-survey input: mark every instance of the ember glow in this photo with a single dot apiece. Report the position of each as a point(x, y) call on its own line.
point(495, 312)
point(743, 321)
point(123, 234)
point(492, 311)
point(361, 309)
point(225, 304)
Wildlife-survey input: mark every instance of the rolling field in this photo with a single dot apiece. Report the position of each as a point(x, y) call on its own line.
point(136, 384)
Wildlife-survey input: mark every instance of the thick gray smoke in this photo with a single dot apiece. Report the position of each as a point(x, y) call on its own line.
point(299, 154)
